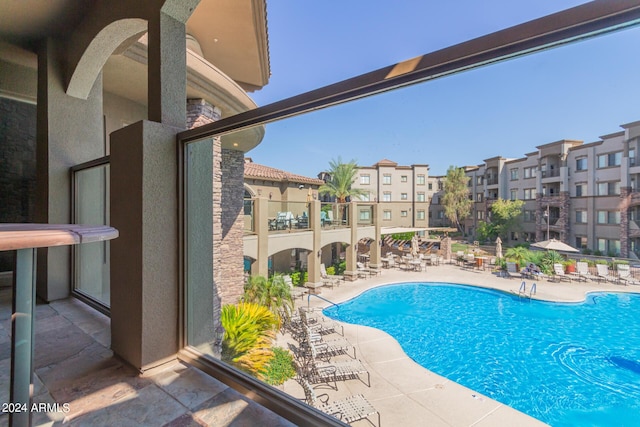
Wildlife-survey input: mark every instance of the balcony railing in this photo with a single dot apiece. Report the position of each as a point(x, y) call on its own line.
point(550, 173)
point(334, 215)
point(285, 215)
point(492, 181)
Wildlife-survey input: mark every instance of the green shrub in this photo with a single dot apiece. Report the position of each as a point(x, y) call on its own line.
point(587, 251)
point(601, 261)
point(295, 277)
point(341, 267)
point(280, 368)
point(597, 253)
point(331, 270)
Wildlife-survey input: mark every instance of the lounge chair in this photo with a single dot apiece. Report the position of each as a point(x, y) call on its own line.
point(320, 324)
point(559, 274)
point(603, 273)
point(296, 291)
point(624, 275)
point(512, 270)
point(582, 271)
point(336, 278)
point(348, 409)
point(328, 374)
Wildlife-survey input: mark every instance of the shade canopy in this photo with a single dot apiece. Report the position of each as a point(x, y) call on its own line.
point(554, 245)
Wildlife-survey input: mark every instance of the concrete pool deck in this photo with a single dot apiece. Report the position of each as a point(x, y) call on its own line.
point(405, 393)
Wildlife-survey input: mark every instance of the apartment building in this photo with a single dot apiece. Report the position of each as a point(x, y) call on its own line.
point(406, 189)
point(583, 194)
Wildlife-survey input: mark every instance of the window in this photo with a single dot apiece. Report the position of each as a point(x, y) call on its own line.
point(632, 157)
point(581, 164)
point(440, 214)
point(365, 179)
point(609, 160)
point(514, 174)
point(420, 197)
point(420, 214)
point(530, 172)
point(581, 217)
point(440, 186)
point(528, 215)
point(430, 186)
point(479, 197)
point(479, 180)
point(580, 190)
point(581, 242)
point(609, 247)
point(403, 196)
point(403, 214)
point(386, 196)
point(403, 178)
point(608, 217)
point(529, 193)
point(386, 215)
point(513, 194)
point(420, 181)
point(365, 197)
point(365, 215)
point(480, 214)
point(386, 179)
point(611, 188)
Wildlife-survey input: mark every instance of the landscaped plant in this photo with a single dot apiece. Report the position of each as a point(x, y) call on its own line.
point(518, 255)
point(248, 332)
point(280, 368)
point(272, 293)
point(331, 270)
point(550, 258)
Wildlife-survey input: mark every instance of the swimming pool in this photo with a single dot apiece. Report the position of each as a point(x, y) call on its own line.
point(565, 364)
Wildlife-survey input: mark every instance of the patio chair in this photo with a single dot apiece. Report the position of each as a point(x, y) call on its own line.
point(512, 270)
point(603, 273)
point(624, 275)
point(320, 324)
point(582, 271)
point(559, 274)
point(349, 409)
point(314, 345)
point(362, 270)
point(336, 278)
point(296, 291)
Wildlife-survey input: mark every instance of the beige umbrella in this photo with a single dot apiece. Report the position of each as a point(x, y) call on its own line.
point(414, 246)
point(309, 195)
point(498, 247)
point(554, 245)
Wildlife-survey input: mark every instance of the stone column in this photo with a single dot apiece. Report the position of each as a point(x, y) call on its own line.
point(625, 198)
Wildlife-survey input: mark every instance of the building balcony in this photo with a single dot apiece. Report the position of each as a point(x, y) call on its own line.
point(75, 368)
point(492, 181)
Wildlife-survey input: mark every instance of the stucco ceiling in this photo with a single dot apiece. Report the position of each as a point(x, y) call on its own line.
point(232, 34)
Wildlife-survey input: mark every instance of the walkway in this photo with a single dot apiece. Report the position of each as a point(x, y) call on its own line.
point(405, 393)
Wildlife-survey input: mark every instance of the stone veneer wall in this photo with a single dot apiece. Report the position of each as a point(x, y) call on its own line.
point(228, 220)
point(17, 166)
point(625, 199)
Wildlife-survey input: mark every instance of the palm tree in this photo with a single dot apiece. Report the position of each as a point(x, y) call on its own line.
point(248, 332)
point(343, 175)
point(272, 293)
point(518, 254)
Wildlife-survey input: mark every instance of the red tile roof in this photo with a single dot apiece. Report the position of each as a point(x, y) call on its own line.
point(257, 171)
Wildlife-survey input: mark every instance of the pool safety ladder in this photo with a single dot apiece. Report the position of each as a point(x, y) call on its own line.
point(522, 292)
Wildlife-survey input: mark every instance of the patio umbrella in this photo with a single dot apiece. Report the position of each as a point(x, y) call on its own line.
point(309, 196)
point(554, 245)
point(414, 246)
point(498, 247)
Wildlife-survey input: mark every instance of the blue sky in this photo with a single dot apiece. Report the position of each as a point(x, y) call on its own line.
point(580, 91)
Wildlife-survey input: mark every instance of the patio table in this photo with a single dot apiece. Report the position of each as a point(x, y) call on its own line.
point(24, 239)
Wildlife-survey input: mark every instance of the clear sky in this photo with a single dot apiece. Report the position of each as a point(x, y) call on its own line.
point(579, 91)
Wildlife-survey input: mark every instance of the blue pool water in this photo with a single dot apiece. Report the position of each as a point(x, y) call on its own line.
point(565, 364)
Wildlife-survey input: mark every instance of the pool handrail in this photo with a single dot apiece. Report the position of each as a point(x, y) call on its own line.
point(322, 298)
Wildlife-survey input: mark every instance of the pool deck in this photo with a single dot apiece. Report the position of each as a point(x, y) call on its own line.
point(407, 394)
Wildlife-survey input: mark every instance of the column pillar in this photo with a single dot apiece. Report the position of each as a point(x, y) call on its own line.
point(315, 257)
point(261, 225)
